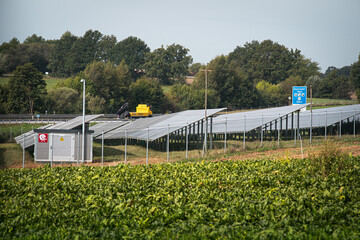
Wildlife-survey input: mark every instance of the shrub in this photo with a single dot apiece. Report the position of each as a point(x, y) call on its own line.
point(330, 159)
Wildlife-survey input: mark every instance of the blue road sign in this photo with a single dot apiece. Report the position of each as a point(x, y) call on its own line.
point(299, 95)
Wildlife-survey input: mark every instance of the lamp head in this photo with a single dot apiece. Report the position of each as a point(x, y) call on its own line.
point(82, 80)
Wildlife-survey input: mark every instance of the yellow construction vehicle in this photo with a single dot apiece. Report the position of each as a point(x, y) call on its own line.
point(142, 110)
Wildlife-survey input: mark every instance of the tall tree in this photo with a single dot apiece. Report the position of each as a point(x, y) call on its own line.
point(271, 62)
point(84, 51)
point(109, 82)
point(12, 43)
point(335, 86)
point(36, 53)
point(25, 89)
point(107, 48)
point(3, 99)
point(58, 63)
point(168, 64)
point(64, 100)
point(133, 51)
point(355, 74)
point(147, 91)
point(34, 39)
point(270, 94)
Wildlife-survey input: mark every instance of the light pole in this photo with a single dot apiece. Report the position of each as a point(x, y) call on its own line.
point(83, 124)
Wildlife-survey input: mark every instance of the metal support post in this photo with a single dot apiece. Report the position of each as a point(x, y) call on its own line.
point(244, 131)
point(311, 115)
point(52, 149)
point(186, 140)
point(168, 143)
point(354, 120)
point(262, 122)
point(78, 150)
point(102, 148)
point(206, 133)
point(325, 124)
point(147, 147)
point(225, 134)
point(295, 134)
point(279, 130)
point(24, 150)
point(298, 122)
point(340, 125)
point(125, 144)
point(211, 132)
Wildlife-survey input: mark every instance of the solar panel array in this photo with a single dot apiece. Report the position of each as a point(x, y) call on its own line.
point(249, 120)
point(157, 127)
point(71, 124)
point(329, 116)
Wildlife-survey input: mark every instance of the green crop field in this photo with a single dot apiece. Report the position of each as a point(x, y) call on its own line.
point(315, 198)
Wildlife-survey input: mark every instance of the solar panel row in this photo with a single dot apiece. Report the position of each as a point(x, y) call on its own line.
point(157, 127)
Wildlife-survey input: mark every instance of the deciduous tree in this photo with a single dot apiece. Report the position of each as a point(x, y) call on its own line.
point(109, 82)
point(25, 89)
point(355, 75)
point(168, 64)
point(133, 51)
point(147, 91)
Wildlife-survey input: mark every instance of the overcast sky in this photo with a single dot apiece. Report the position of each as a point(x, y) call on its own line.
point(326, 31)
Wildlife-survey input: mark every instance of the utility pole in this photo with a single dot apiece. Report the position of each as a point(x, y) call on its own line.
point(311, 119)
point(206, 125)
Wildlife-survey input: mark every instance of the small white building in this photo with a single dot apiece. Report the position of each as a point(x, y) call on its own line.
point(59, 145)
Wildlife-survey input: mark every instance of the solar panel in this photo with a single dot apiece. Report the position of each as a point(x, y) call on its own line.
point(71, 124)
point(157, 127)
point(329, 116)
point(135, 126)
point(249, 120)
point(106, 127)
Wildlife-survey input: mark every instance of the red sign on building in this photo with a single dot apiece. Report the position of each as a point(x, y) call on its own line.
point(43, 137)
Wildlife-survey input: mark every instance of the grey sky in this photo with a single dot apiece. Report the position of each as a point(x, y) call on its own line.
point(327, 31)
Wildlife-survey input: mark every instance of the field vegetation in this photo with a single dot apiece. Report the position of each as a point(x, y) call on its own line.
point(284, 198)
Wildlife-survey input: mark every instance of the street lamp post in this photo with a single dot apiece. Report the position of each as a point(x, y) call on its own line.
point(83, 124)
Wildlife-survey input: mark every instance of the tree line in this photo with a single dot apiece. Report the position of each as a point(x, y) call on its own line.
point(252, 75)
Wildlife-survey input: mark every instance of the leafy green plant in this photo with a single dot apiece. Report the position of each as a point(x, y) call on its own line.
point(330, 159)
point(257, 199)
